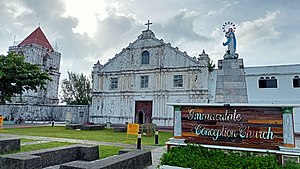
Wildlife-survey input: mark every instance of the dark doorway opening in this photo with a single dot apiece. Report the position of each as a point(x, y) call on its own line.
point(140, 117)
point(143, 112)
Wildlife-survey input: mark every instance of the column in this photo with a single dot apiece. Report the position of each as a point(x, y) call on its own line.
point(288, 127)
point(177, 121)
point(177, 139)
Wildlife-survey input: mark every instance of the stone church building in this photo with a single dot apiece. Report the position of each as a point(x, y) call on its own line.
point(137, 84)
point(37, 50)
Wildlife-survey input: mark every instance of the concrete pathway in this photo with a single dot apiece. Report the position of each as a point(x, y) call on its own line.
point(156, 155)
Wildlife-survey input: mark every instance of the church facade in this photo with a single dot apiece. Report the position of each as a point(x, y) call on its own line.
point(136, 84)
point(37, 50)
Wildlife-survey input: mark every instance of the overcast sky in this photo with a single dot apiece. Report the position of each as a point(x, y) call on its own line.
point(89, 30)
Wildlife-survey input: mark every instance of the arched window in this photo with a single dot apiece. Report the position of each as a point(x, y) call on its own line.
point(267, 82)
point(45, 60)
point(296, 81)
point(145, 57)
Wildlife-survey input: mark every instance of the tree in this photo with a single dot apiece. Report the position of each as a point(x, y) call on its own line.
point(17, 76)
point(76, 89)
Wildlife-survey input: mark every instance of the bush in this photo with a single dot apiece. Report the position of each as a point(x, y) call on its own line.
point(197, 157)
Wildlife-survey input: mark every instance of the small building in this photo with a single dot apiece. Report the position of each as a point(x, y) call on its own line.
point(277, 84)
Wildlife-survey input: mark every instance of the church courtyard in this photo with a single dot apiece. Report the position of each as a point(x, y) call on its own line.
point(106, 135)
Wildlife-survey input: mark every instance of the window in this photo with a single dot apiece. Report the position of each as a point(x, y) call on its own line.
point(296, 82)
point(45, 60)
point(144, 81)
point(113, 83)
point(178, 81)
point(267, 82)
point(145, 57)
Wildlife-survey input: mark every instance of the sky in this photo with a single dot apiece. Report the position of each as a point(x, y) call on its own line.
point(85, 31)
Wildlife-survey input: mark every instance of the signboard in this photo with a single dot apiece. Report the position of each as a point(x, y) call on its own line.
point(133, 128)
point(1, 122)
point(251, 127)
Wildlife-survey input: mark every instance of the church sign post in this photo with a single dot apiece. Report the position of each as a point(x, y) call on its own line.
point(237, 125)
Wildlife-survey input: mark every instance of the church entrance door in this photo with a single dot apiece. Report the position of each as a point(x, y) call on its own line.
point(143, 112)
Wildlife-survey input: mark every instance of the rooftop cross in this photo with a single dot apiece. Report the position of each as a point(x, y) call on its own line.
point(148, 24)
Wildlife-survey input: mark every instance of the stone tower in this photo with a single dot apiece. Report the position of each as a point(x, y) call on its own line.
point(37, 50)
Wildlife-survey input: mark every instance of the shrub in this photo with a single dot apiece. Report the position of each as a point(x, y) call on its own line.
point(197, 157)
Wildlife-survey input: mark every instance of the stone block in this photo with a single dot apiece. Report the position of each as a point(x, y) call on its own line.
point(137, 159)
point(49, 157)
point(20, 160)
point(220, 98)
point(230, 85)
point(9, 144)
point(238, 78)
point(89, 154)
point(73, 126)
point(220, 85)
point(93, 127)
point(123, 151)
point(228, 78)
point(120, 129)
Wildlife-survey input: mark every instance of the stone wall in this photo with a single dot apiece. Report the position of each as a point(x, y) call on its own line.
point(49, 157)
point(29, 112)
point(9, 144)
point(137, 159)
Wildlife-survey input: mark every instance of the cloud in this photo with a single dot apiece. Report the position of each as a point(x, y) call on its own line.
point(225, 7)
point(255, 31)
point(180, 27)
point(22, 17)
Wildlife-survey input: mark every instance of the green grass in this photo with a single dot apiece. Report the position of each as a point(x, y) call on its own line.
point(24, 140)
point(107, 135)
point(43, 146)
point(106, 151)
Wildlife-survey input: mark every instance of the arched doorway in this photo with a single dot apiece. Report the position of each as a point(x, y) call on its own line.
point(143, 112)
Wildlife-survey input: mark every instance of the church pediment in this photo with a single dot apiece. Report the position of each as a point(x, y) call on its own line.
point(148, 52)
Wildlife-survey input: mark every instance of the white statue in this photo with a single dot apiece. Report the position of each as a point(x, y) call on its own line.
point(231, 42)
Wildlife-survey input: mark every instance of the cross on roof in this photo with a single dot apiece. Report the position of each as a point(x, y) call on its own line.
point(148, 24)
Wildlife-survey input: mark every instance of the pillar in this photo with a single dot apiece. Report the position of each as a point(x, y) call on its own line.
point(177, 121)
point(288, 127)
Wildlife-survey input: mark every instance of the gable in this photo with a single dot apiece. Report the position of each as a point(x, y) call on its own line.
point(161, 55)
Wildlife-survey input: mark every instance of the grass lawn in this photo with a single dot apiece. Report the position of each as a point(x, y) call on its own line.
point(43, 146)
point(106, 135)
point(106, 151)
point(24, 140)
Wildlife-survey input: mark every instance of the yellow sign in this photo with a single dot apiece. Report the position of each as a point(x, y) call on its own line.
point(1, 122)
point(133, 128)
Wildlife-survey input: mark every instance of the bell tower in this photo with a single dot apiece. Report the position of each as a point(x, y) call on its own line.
point(37, 50)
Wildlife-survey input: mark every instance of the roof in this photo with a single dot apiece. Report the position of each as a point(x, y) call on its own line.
point(233, 105)
point(37, 37)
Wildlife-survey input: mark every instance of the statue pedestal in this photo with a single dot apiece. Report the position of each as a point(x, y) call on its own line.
point(231, 82)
